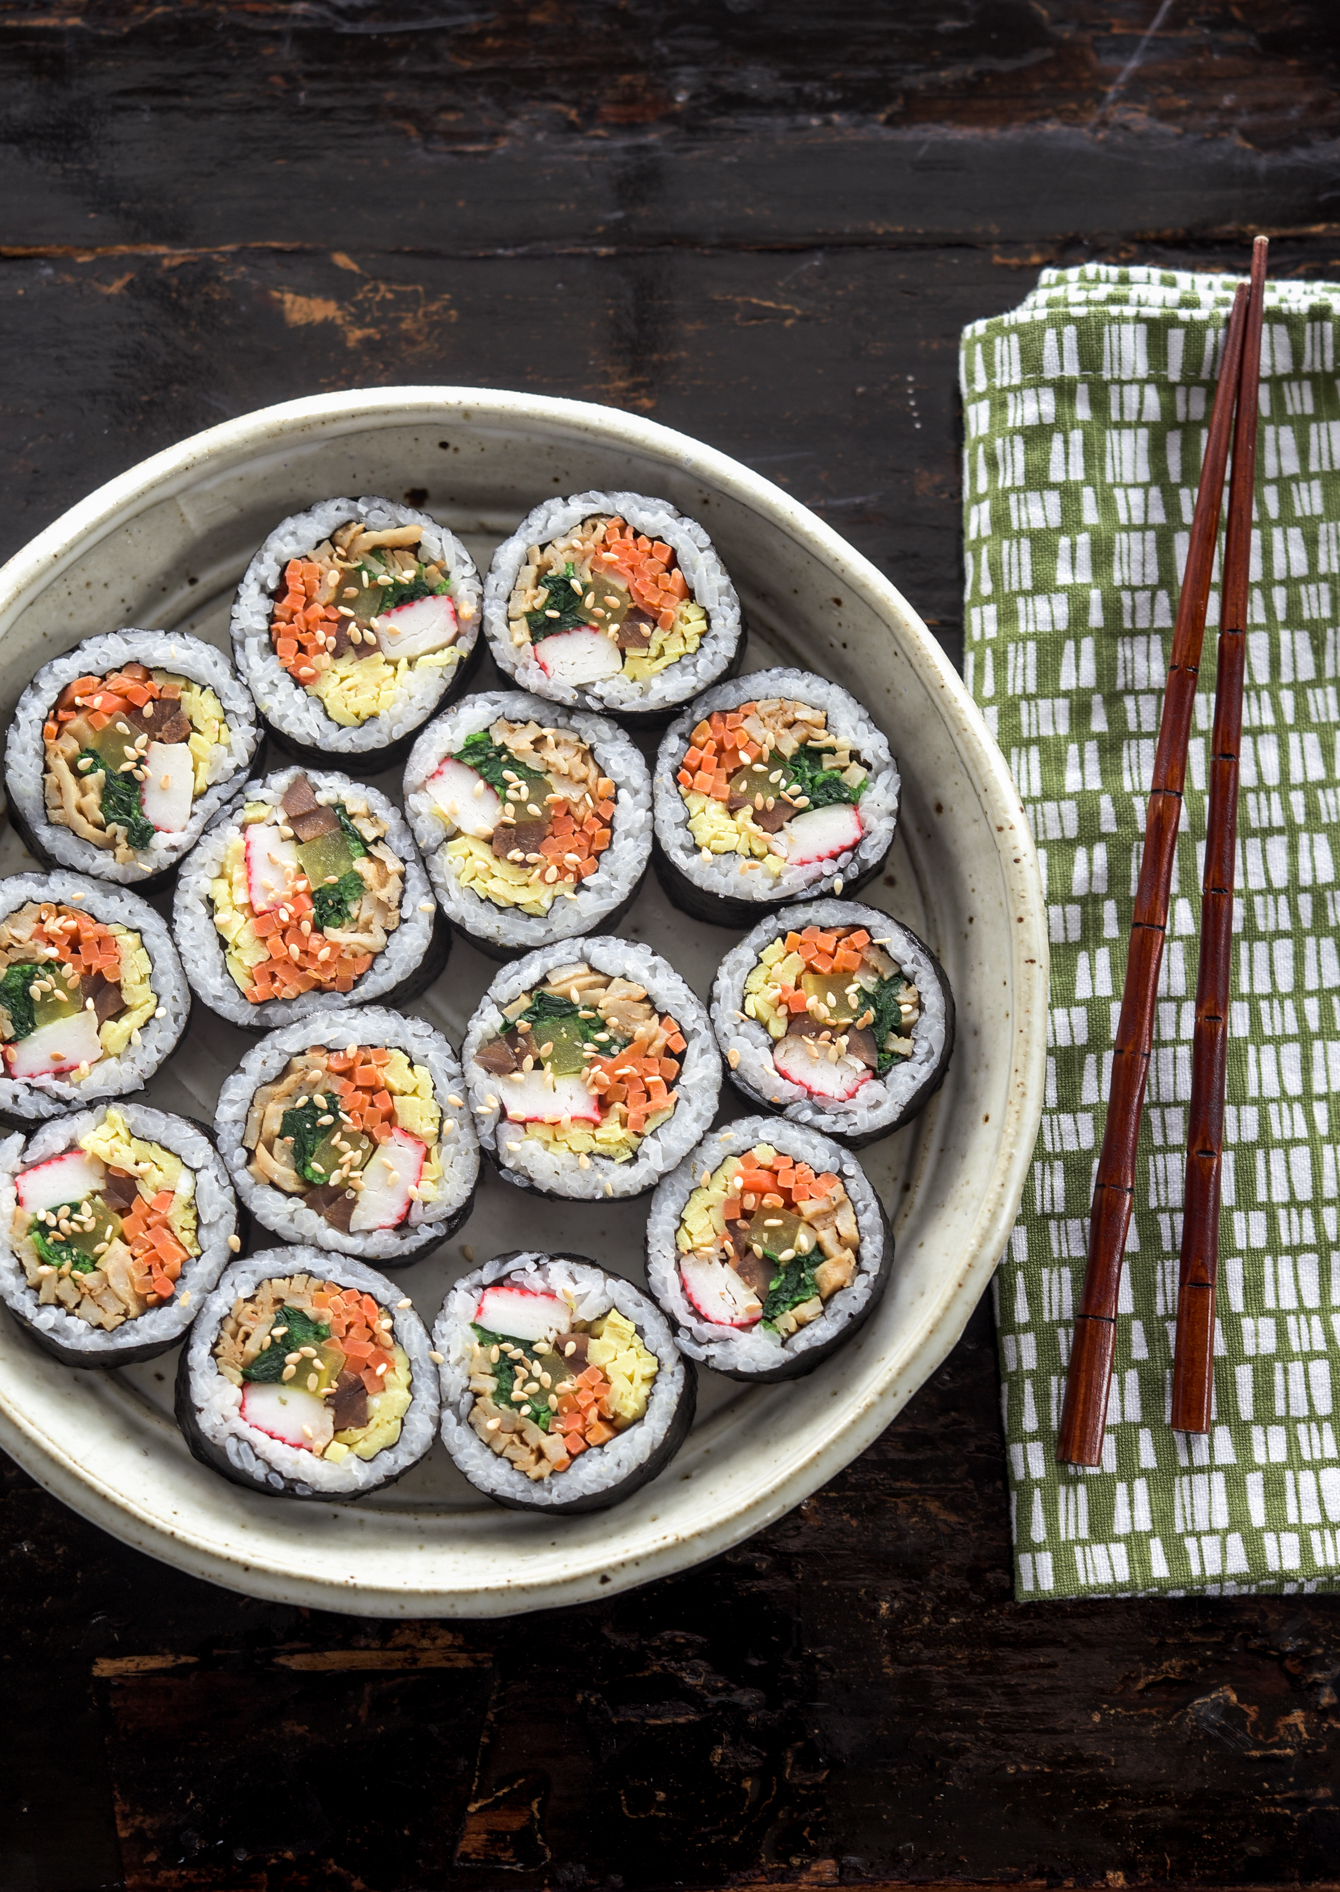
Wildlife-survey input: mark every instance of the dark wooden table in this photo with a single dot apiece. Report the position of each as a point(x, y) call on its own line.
point(764, 222)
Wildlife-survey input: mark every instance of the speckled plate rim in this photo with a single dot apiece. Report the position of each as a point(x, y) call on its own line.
point(279, 1571)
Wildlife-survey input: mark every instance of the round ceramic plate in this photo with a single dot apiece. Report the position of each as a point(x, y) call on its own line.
point(164, 546)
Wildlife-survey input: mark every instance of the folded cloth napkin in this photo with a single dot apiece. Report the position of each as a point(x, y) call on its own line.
point(1085, 417)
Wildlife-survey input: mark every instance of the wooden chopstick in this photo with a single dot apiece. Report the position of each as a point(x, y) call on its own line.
point(1084, 1412)
point(1193, 1355)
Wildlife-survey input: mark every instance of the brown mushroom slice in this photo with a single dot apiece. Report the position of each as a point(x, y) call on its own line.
point(573, 1349)
point(334, 1202)
point(164, 721)
point(313, 823)
point(526, 835)
point(299, 798)
point(635, 632)
point(119, 1190)
point(862, 1047)
point(105, 994)
point(801, 1025)
point(771, 820)
point(753, 1270)
point(349, 1402)
point(501, 1056)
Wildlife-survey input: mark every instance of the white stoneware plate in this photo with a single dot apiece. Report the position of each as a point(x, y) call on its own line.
point(163, 546)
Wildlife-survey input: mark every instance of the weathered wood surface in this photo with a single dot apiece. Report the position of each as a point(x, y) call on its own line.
point(764, 223)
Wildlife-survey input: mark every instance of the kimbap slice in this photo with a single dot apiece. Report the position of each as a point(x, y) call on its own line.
point(535, 822)
point(307, 892)
point(767, 1248)
point(355, 621)
point(350, 1131)
point(590, 1076)
point(123, 749)
point(612, 601)
point(836, 1016)
point(771, 788)
point(92, 994)
point(115, 1223)
point(307, 1375)
point(562, 1387)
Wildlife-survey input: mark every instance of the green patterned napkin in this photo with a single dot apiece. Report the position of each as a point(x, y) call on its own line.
point(1085, 418)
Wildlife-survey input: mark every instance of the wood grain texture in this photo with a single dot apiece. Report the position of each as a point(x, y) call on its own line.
point(206, 207)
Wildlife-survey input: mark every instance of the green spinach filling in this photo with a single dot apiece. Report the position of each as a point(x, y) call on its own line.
point(562, 610)
point(560, 1029)
point(792, 1284)
point(402, 589)
point(122, 802)
point(498, 766)
point(535, 1406)
point(808, 774)
point(888, 1020)
point(16, 997)
point(333, 906)
point(55, 1252)
point(291, 1329)
point(353, 839)
point(301, 1127)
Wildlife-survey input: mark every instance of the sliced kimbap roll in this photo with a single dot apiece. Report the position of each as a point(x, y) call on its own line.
point(562, 1387)
point(590, 1072)
point(307, 1375)
point(535, 822)
point(115, 1223)
point(122, 750)
point(767, 1248)
point(355, 621)
point(612, 601)
point(770, 788)
point(837, 1016)
point(350, 1130)
point(306, 892)
point(92, 994)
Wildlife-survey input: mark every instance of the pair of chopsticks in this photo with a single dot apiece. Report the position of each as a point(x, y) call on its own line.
point(1084, 1412)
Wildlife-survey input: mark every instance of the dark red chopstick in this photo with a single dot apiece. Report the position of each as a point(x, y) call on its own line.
point(1084, 1412)
point(1193, 1356)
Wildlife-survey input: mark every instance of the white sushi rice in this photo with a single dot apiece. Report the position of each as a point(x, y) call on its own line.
point(731, 874)
point(202, 945)
point(703, 572)
point(590, 1292)
point(217, 1403)
point(576, 910)
point(25, 751)
point(284, 703)
point(698, 1083)
point(341, 1031)
point(881, 1102)
point(216, 1220)
point(39, 1098)
point(756, 1349)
